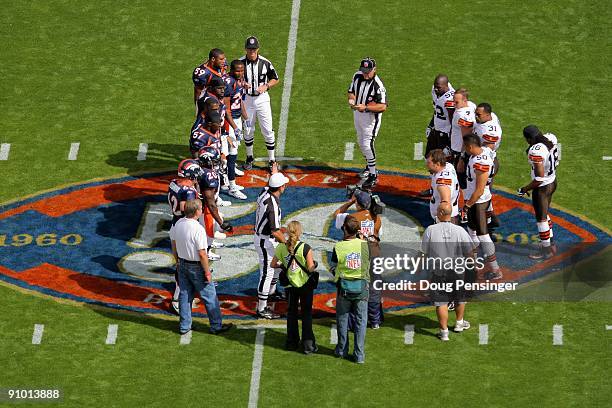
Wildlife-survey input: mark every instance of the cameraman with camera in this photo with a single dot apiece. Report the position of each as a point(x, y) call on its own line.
point(369, 208)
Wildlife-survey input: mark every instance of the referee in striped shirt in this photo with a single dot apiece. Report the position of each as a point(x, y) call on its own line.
point(266, 238)
point(260, 76)
point(368, 98)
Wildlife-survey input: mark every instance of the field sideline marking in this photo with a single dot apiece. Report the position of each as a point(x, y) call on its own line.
point(74, 151)
point(5, 149)
point(483, 334)
point(111, 336)
point(256, 370)
point(409, 334)
point(288, 80)
point(142, 152)
point(418, 151)
point(557, 335)
point(186, 338)
point(38, 333)
point(348, 151)
point(333, 334)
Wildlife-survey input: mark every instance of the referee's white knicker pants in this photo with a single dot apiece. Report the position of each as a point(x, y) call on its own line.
point(367, 125)
point(268, 276)
point(258, 108)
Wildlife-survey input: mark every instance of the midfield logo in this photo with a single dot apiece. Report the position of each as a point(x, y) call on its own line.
point(106, 242)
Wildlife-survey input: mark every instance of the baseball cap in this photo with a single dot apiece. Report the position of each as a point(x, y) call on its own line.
point(213, 116)
point(251, 43)
point(215, 81)
point(367, 65)
point(531, 131)
point(363, 199)
point(277, 180)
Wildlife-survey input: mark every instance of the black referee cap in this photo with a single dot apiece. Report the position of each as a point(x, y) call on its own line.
point(213, 116)
point(251, 43)
point(215, 81)
point(367, 65)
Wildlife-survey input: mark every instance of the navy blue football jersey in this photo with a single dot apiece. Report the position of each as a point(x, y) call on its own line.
point(236, 94)
point(202, 137)
point(178, 192)
point(210, 179)
point(203, 73)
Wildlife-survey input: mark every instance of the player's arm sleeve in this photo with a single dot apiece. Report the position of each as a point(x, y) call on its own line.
point(465, 122)
point(381, 94)
point(340, 220)
point(351, 88)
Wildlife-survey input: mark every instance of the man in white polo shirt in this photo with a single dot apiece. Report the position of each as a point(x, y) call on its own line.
point(189, 245)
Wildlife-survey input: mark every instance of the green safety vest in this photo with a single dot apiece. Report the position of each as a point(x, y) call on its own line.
point(296, 275)
point(353, 259)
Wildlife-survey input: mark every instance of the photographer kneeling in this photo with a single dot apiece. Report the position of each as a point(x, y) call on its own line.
point(368, 217)
point(295, 259)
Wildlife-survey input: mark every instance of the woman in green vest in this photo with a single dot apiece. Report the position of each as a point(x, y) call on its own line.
point(295, 257)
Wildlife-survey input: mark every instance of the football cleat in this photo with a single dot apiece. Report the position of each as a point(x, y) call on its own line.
point(217, 244)
point(238, 172)
point(248, 164)
point(223, 203)
point(267, 313)
point(364, 173)
point(544, 253)
point(369, 182)
point(236, 193)
point(213, 257)
point(493, 275)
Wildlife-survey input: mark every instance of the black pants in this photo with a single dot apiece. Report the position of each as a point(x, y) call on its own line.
point(302, 298)
point(541, 199)
point(436, 140)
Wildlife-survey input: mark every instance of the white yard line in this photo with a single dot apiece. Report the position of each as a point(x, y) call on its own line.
point(418, 151)
point(483, 334)
point(409, 334)
point(348, 151)
point(186, 338)
point(557, 335)
point(111, 336)
point(288, 78)
point(606, 158)
point(608, 327)
point(559, 146)
point(278, 159)
point(38, 333)
point(256, 370)
point(142, 152)
point(261, 326)
point(74, 151)
point(333, 334)
point(5, 149)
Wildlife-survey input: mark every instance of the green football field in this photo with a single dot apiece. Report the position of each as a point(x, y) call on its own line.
point(113, 75)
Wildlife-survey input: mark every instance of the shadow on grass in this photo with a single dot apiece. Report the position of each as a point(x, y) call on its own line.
point(159, 157)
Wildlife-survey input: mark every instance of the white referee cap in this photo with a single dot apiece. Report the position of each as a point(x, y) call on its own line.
point(277, 180)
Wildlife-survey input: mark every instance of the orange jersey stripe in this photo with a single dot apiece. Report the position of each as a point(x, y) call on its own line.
point(536, 159)
point(449, 104)
point(444, 181)
point(490, 138)
point(465, 123)
point(482, 167)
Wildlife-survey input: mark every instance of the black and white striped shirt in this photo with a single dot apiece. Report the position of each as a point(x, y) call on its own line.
point(268, 214)
point(258, 72)
point(367, 90)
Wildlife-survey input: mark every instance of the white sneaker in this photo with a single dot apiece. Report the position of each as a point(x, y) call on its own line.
point(222, 203)
point(236, 187)
point(213, 257)
point(237, 194)
point(239, 172)
point(443, 335)
point(459, 327)
point(224, 187)
point(219, 235)
point(217, 244)
point(195, 303)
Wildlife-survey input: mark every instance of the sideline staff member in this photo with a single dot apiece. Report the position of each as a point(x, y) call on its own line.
point(189, 249)
point(446, 240)
point(351, 260)
point(370, 227)
point(295, 257)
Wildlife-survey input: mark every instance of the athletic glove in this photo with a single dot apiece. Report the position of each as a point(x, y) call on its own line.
point(226, 226)
point(428, 130)
point(238, 134)
point(464, 214)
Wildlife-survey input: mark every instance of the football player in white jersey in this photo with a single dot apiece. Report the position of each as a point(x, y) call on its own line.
point(489, 130)
point(477, 198)
point(462, 124)
point(438, 130)
point(444, 184)
point(543, 156)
